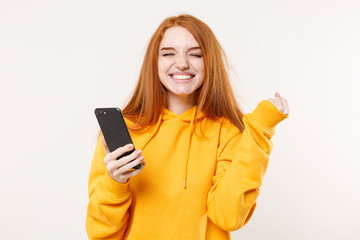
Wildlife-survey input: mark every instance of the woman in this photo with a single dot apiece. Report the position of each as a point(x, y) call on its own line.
point(205, 159)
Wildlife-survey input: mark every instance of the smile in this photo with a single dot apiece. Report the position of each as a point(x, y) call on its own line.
point(182, 76)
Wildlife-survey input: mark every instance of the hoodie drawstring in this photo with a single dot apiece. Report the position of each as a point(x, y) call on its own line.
point(185, 170)
point(187, 153)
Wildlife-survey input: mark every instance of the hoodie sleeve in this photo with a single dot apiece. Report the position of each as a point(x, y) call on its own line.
point(109, 201)
point(242, 160)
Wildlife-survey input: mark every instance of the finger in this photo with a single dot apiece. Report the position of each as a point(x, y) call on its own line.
point(272, 101)
point(113, 162)
point(120, 151)
point(278, 103)
point(129, 166)
point(286, 106)
point(125, 160)
point(105, 145)
point(135, 172)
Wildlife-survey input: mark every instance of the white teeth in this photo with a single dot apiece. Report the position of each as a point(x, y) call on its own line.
point(178, 76)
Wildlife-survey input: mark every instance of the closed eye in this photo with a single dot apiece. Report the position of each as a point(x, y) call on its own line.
point(196, 55)
point(168, 54)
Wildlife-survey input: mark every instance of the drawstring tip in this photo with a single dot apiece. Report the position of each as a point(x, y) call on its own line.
point(184, 183)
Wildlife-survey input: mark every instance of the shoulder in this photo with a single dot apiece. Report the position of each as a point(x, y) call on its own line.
point(227, 131)
point(221, 127)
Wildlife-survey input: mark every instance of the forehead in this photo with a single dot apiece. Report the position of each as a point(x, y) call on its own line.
point(178, 38)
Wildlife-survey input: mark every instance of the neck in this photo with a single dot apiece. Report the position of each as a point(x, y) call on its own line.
point(180, 103)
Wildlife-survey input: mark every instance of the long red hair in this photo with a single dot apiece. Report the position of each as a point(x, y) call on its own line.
point(215, 97)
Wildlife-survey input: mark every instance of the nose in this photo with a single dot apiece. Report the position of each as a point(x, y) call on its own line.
point(182, 62)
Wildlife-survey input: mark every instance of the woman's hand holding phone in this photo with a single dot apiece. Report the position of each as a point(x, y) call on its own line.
point(119, 169)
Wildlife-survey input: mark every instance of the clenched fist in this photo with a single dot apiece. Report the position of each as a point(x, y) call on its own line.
point(280, 103)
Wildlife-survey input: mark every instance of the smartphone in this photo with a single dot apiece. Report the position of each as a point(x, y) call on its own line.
point(114, 129)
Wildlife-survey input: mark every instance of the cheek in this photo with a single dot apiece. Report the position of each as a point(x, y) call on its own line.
point(201, 72)
point(163, 66)
point(200, 68)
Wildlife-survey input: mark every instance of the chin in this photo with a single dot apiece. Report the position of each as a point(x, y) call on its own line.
point(182, 93)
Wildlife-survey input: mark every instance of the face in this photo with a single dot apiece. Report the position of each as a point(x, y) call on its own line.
point(180, 65)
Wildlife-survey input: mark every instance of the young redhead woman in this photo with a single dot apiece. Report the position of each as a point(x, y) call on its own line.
point(205, 158)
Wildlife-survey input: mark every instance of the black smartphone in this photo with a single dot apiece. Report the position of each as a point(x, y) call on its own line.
point(114, 129)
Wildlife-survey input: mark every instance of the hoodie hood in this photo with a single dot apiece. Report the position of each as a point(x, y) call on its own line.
point(190, 116)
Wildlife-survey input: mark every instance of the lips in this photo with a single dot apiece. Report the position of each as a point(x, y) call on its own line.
point(182, 77)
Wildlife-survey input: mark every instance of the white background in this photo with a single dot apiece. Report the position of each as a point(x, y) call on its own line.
point(61, 59)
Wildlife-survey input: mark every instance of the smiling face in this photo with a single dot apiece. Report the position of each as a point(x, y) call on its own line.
point(180, 65)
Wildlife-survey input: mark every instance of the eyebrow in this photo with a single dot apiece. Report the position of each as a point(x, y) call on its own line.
point(171, 48)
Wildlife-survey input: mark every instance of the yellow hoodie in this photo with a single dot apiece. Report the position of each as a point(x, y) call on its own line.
point(193, 186)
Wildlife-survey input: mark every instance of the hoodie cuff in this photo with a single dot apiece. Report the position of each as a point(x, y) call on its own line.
point(113, 188)
point(267, 114)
